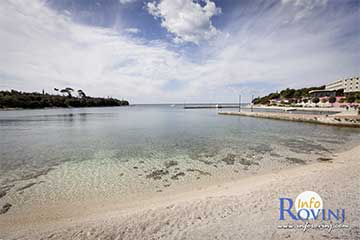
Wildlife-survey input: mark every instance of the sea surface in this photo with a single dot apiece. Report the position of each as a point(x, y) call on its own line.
point(54, 155)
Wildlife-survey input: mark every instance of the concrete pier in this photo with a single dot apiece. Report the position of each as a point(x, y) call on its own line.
point(203, 106)
point(335, 120)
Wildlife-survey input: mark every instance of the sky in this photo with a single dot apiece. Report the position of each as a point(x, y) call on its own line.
point(176, 51)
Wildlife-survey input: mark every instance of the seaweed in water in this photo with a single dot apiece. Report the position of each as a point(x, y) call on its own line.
point(2, 193)
point(331, 141)
point(157, 174)
point(275, 154)
point(170, 163)
point(5, 208)
point(323, 159)
point(296, 160)
point(198, 171)
point(303, 146)
point(36, 173)
point(28, 186)
point(5, 189)
point(176, 176)
point(203, 157)
point(246, 162)
point(261, 148)
point(205, 161)
point(229, 159)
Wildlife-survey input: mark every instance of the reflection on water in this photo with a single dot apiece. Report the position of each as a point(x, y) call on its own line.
point(128, 149)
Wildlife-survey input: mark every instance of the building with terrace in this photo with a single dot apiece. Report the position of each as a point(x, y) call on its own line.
point(347, 85)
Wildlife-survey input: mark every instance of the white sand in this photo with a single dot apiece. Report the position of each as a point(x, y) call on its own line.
point(245, 209)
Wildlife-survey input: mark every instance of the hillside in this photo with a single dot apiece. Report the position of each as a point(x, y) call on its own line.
point(288, 93)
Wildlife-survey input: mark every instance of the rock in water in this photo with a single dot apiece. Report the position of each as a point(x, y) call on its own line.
point(176, 176)
point(170, 163)
point(2, 193)
point(323, 159)
point(157, 174)
point(229, 159)
point(296, 160)
point(5, 208)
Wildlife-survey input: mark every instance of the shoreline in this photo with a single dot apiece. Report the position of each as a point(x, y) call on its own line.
point(332, 120)
point(51, 108)
point(326, 178)
point(309, 109)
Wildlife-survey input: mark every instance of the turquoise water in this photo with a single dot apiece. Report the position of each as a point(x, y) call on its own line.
point(62, 154)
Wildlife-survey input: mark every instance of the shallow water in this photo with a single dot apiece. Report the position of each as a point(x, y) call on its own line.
point(76, 154)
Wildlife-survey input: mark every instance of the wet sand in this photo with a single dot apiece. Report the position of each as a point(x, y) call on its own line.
point(244, 209)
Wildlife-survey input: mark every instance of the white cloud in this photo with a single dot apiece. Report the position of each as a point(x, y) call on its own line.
point(303, 8)
point(306, 3)
point(127, 1)
point(41, 49)
point(133, 30)
point(186, 19)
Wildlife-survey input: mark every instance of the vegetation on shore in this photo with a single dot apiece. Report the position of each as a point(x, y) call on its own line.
point(18, 99)
point(287, 94)
point(293, 96)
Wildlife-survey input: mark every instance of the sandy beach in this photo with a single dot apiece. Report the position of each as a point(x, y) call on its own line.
point(244, 209)
point(179, 120)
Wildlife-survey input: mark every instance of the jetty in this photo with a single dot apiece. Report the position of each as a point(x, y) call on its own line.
point(334, 120)
point(202, 106)
point(301, 109)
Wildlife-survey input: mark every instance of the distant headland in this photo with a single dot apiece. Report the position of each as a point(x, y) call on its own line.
point(65, 99)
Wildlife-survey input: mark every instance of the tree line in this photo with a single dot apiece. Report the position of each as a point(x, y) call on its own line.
point(34, 100)
point(303, 95)
point(288, 93)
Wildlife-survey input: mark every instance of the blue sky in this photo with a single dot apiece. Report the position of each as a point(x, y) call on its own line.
point(177, 50)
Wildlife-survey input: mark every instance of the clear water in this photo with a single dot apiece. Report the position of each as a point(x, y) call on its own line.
point(75, 154)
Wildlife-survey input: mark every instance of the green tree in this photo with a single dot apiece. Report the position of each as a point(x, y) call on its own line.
point(342, 100)
point(81, 93)
point(315, 100)
point(68, 91)
point(350, 99)
point(332, 99)
point(287, 93)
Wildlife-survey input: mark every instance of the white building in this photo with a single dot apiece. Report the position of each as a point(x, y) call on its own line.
point(349, 85)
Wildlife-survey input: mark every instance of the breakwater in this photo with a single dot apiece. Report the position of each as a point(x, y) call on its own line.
point(336, 120)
